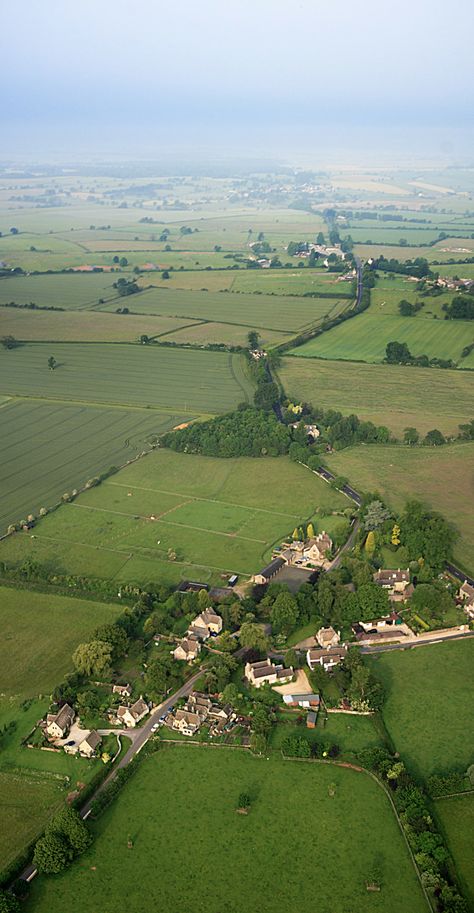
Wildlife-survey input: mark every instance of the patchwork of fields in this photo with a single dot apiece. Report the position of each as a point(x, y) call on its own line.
point(442, 478)
point(430, 723)
point(170, 817)
point(48, 448)
point(390, 395)
point(172, 516)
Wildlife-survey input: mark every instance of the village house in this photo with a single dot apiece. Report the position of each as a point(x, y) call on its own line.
point(59, 724)
point(122, 690)
point(326, 658)
point(206, 624)
point(266, 673)
point(315, 549)
point(89, 745)
point(328, 637)
point(188, 649)
point(312, 431)
point(197, 710)
point(466, 596)
point(186, 722)
point(130, 716)
point(301, 700)
point(381, 624)
point(397, 583)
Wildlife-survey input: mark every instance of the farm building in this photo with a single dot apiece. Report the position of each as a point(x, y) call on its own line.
point(269, 571)
point(301, 700)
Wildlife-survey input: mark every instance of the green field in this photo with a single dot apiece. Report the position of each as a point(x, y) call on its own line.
point(365, 337)
point(216, 515)
point(39, 635)
point(49, 448)
point(389, 395)
point(27, 800)
point(274, 312)
point(71, 292)
point(427, 711)
point(176, 379)
point(198, 828)
point(442, 478)
point(457, 821)
point(351, 733)
point(86, 326)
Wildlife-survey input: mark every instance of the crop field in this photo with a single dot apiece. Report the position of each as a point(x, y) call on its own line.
point(458, 249)
point(49, 448)
point(389, 395)
point(171, 516)
point(289, 282)
point(39, 635)
point(168, 817)
point(71, 291)
point(186, 381)
point(224, 333)
point(84, 326)
point(441, 477)
point(274, 312)
point(365, 337)
point(457, 820)
point(429, 720)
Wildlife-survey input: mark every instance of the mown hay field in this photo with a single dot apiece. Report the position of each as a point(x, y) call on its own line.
point(178, 380)
point(354, 809)
point(365, 338)
point(84, 326)
point(276, 312)
point(443, 478)
point(426, 711)
point(174, 516)
point(49, 448)
point(390, 395)
point(68, 291)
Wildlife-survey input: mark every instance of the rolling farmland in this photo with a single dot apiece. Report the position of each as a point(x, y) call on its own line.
point(390, 395)
point(183, 381)
point(84, 326)
point(50, 448)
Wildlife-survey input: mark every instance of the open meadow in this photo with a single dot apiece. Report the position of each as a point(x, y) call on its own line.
point(440, 477)
point(165, 818)
point(427, 711)
point(71, 291)
point(365, 338)
point(88, 326)
point(174, 379)
point(173, 516)
point(456, 815)
point(390, 395)
point(49, 448)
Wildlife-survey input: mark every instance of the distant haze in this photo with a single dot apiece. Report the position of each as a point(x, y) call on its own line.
point(268, 75)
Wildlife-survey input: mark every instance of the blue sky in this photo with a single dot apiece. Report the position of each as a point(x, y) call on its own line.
point(220, 68)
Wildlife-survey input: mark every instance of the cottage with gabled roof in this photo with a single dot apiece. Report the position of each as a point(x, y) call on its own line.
point(326, 658)
point(315, 549)
point(188, 649)
point(90, 744)
point(328, 637)
point(59, 724)
point(266, 673)
point(205, 624)
point(130, 716)
point(396, 582)
point(270, 571)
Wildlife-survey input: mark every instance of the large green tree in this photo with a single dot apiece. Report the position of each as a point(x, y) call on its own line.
point(93, 659)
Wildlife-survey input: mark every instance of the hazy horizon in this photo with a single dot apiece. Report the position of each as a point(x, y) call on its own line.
point(302, 81)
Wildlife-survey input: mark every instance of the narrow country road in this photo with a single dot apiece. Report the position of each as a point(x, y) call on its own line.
point(409, 643)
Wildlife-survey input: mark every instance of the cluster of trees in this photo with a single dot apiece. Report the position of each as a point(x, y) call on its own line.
point(461, 308)
point(398, 353)
point(418, 267)
point(245, 432)
point(126, 287)
point(338, 430)
point(298, 746)
point(408, 309)
point(421, 537)
point(31, 306)
point(95, 658)
point(65, 837)
point(431, 855)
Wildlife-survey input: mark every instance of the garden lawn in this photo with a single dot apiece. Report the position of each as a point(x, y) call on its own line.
point(39, 635)
point(335, 815)
point(214, 515)
point(427, 711)
point(457, 821)
point(49, 448)
point(440, 477)
point(173, 379)
point(390, 395)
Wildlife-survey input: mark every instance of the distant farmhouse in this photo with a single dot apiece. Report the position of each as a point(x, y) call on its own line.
point(310, 553)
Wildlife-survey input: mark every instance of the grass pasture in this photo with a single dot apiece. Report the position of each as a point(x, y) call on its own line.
point(275, 312)
point(216, 515)
point(71, 291)
point(442, 478)
point(127, 374)
point(170, 817)
point(457, 821)
point(389, 395)
point(365, 337)
point(427, 710)
point(27, 801)
point(83, 326)
point(48, 448)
